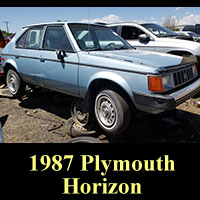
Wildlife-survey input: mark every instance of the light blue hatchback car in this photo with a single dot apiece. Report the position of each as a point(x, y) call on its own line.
point(92, 62)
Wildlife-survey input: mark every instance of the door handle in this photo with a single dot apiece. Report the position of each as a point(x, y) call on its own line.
point(17, 57)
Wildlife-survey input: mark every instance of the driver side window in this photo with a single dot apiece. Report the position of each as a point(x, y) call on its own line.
point(131, 33)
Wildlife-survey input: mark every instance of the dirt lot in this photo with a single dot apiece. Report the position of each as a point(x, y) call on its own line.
point(38, 118)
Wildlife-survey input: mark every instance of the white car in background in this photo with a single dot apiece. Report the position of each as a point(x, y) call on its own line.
point(153, 37)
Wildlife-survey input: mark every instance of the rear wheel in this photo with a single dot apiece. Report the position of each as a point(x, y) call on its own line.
point(15, 84)
point(112, 112)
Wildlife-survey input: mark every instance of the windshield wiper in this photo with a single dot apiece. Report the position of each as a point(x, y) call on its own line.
point(120, 48)
point(96, 49)
point(123, 48)
point(168, 35)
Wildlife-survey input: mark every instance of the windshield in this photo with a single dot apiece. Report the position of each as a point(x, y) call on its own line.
point(97, 38)
point(159, 31)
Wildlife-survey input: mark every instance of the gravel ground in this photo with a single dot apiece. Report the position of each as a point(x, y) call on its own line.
point(37, 118)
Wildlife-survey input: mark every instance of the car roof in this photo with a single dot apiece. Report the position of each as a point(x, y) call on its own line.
point(122, 23)
point(61, 23)
point(43, 24)
point(130, 23)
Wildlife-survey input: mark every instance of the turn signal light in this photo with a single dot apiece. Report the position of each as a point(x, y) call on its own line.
point(2, 59)
point(155, 84)
point(196, 70)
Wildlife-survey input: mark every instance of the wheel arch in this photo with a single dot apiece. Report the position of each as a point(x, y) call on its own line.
point(180, 52)
point(10, 64)
point(110, 81)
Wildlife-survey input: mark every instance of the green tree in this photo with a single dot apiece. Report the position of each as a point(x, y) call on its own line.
point(6, 33)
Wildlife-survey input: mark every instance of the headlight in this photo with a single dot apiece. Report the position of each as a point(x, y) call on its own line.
point(160, 83)
point(168, 82)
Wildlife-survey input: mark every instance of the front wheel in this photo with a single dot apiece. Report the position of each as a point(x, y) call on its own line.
point(112, 112)
point(15, 84)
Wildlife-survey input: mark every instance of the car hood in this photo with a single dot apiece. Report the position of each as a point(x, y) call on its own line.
point(147, 58)
point(180, 42)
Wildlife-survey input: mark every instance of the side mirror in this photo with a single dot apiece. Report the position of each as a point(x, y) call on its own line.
point(61, 54)
point(144, 38)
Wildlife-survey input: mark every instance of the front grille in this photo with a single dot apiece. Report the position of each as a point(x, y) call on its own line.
point(183, 76)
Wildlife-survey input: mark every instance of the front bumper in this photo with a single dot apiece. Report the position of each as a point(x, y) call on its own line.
point(155, 103)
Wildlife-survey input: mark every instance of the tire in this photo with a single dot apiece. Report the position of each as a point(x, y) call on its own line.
point(84, 139)
point(15, 84)
point(112, 112)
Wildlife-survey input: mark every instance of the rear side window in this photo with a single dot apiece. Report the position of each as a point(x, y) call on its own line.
point(21, 41)
point(115, 28)
point(56, 39)
point(33, 38)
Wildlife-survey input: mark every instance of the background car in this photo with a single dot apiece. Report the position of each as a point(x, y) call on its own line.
point(194, 28)
point(193, 35)
point(3, 40)
point(153, 37)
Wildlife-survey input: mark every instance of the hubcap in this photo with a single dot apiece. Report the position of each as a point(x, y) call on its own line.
point(12, 83)
point(106, 111)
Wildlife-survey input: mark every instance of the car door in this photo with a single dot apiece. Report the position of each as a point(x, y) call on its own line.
point(131, 35)
point(27, 54)
point(60, 74)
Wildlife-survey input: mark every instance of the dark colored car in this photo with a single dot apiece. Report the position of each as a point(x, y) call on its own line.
point(194, 28)
point(3, 40)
